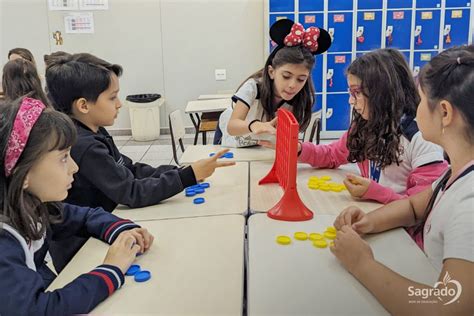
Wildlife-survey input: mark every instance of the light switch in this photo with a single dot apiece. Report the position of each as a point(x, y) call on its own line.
point(220, 74)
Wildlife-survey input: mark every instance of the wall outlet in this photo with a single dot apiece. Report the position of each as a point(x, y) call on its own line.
point(221, 74)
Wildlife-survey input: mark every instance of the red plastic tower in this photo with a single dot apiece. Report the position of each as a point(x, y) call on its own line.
point(290, 207)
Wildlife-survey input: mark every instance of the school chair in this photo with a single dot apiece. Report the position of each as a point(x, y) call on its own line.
point(177, 132)
point(313, 131)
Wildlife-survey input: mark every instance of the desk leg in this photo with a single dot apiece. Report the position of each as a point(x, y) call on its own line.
point(196, 121)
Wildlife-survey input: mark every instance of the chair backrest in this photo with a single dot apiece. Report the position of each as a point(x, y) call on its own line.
point(177, 132)
point(313, 128)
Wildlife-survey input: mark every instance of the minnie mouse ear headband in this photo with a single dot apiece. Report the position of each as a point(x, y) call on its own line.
point(26, 117)
point(288, 33)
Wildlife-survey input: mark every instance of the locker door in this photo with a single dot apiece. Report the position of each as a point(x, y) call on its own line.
point(369, 4)
point(420, 59)
point(407, 56)
point(456, 27)
point(318, 103)
point(317, 74)
point(428, 22)
point(398, 4)
point(457, 3)
point(311, 5)
point(336, 72)
point(282, 6)
point(340, 28)
point(369, 24)
point(340, 5)
point(337, 112)
point(428, 3)
point(312, 19)
point(275, 17)
point(399, 25)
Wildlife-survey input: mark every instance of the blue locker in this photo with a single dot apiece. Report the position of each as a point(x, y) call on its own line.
point(457, 3)
point(311, 5)
point(282, 6)
point(428, 3)
point(429, 21)
point(458, 20)
point(400, 21)
point(421, 58)
point(340, 24)
point(318, 103)
point(312, 19)
point(338, 104)
point(407, 56)
point(398, 4)
point(369, 4)
point(317, 74)
point(337, 64)
point(340, 5)
point(371, 21)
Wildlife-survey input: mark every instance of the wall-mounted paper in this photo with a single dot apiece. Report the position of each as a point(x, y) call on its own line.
point(93, 4)
point(61, 5)
point(79, 23)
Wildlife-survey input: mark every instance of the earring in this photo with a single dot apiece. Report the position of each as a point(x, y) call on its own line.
point(442, 131)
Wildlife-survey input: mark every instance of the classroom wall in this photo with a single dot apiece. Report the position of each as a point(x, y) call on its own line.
point(170, 47)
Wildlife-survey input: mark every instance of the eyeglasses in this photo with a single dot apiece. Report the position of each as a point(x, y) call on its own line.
point(355, 91)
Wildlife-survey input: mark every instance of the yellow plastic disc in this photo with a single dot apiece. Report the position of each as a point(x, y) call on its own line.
point(329, 235)
point(333, 184)
point(315, 236)
point(313, 186)
point(324, 188)
point(331, 229)
point(301, 236)
point(336, 189)
point(313, 178)
point(283, 240)
point(326, 178)
point(320, 243)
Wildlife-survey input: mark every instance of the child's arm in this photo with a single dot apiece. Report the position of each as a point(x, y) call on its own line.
point(325, 156)
point(119, 183)
point(238, 125)
point(22, 290)
point(141, 170)
point(90, 222)
point(419, 179)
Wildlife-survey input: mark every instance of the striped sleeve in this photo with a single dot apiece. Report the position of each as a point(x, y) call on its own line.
point(112, 277)
point(113, 230)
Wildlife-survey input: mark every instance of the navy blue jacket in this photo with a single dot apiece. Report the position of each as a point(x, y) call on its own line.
point(107, 178)
point(22, 290)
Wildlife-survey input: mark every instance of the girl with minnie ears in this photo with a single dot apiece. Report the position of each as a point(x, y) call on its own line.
point(285, 81)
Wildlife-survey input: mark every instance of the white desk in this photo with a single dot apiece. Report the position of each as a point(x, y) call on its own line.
point(300, 279)
point(204, 106)
point(256, 153)
point(214, 96)
point(264, 197)
point(228, 194)
point(196, 266)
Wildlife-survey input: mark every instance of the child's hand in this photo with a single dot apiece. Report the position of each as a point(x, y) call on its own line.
point(143, 238)
point(351, 250)
point(264, 127)
point(123, 251)
point(357, 186)
point(267, 144)
point(356, 218)
point(205, 167)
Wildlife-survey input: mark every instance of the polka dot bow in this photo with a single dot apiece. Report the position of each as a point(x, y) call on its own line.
point(299, 36)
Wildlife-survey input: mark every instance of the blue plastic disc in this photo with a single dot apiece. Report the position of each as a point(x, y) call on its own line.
point(211, 154)
point(205, 185)
point(199, 191)
point(190, 192)
point(134, 268)
point(228, 155)
point(198, 200)
point(142, 276)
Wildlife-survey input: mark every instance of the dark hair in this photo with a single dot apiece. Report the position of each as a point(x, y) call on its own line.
point(450, 76)
point(71, 77)
point(19, 208)
point(20, 78)
point(302, 102)
point(391, 93)
point(24, 53)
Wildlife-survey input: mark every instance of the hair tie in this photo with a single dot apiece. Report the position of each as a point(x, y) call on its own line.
point(28, 113)
point(459, 60)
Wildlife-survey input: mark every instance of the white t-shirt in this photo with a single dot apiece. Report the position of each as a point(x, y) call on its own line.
point(449, 228)
point(249, 95)
point(416, 153)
